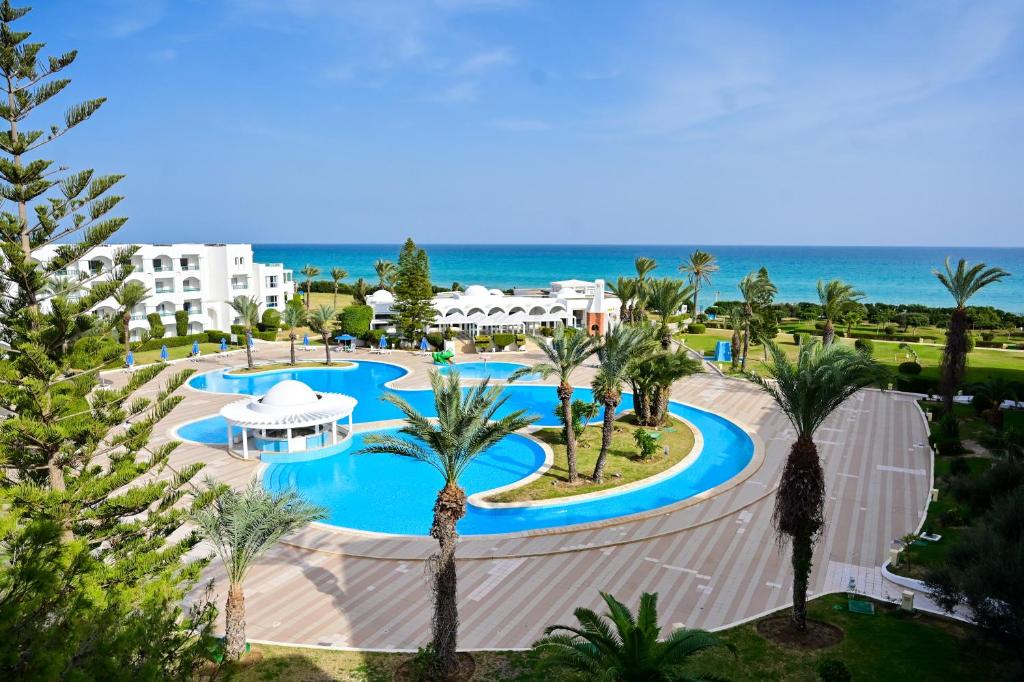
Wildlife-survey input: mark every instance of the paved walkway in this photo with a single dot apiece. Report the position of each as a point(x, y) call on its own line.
point(714, 561)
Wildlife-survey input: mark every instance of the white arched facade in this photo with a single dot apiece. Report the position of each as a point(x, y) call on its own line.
point(290, 418)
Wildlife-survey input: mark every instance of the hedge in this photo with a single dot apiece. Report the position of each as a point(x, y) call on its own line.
point(696, 328)
point(910, 367)
point(916, 384)
point(436, 340)
point(181, 323)
point(172, 342)
point(482, 342)
point(156, 326)
point(373, 336)
point(271, 320)
point(520, 340)
point(503, 341)
point(547, 331)
point(265, 336)
point(239, 331)
point(355, 319)
point(865, 346)
point(215, 335)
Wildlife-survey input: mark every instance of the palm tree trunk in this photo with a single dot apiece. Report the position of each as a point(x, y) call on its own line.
point(954, 357)
point(308, 292)
point(565, 395)
point(449, 507)
point(248, 348)
point(291, 338)
point(334, 302)
point(735, 350)
point(327, 347)
point(798, 514)
point(611, 401)
point(658, 404)
point(666, 334)
point(746, 345)
point(828, 333)
point(696, 291)
point(234, 623)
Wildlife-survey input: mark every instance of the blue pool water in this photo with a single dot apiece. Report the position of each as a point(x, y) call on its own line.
point(391, 494)
point(483, 370)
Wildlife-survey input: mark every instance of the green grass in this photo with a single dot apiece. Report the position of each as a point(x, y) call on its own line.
point(317, 299)
point(146, 357)
point(622, 460)
point(268, 367)
point(889, 645)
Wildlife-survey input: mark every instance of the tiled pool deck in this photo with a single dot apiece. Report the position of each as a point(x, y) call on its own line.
point(713, 560)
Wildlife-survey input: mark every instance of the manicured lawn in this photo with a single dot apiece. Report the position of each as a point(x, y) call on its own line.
point(285, 365)
point(317, 299)
point(889, 645)
point(146, 357)
point(622, 460)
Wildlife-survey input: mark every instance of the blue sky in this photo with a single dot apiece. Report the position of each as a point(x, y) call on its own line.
point(528, 121)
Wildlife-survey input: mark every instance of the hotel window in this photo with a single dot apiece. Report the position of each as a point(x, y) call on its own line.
point(271, 301)
point(239, 260)
point(271, 281)
point(288, 276)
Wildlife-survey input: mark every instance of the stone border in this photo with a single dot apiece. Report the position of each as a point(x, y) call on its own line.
point(903, 581)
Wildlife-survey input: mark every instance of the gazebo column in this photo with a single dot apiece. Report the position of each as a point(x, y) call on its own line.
point(245, 443)
point(349, 425)
point(231, 437)
point(334, 432)
point(288, 437)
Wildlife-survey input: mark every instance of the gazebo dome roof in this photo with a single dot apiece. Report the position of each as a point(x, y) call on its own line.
point(475, 290)
point(288, 393)
point(381, 296)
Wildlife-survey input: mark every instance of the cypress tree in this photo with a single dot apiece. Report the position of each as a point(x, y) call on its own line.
point(413, 309)
point(92, 553)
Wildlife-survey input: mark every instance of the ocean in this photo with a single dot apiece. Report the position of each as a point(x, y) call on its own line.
point(900, 274)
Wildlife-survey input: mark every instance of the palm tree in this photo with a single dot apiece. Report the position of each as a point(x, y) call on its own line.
point(242, 526)
point(996, 390)
point(632, 652)
point(808, 391)
point(337, 274)
point(293, 317)
point(627, 289)
point(129, 295)
point(466, 426)
point(565, 352)
point(962, 284)
point(322, 322)
point(644, 266)
point(620, 346)
point(248, 309)
point(359, 291)
point(385, 272)
point(652, 376)
point(666, 297)
point(737, 324)
point(310, 271)
point(835, 297)
point(699, 268)
point(756, 289)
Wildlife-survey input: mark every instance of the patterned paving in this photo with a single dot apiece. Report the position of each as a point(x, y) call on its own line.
point(714, 562)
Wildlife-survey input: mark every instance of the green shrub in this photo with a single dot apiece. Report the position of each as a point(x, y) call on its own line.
point(796, 338)
point(833, 670)
point(889, 329)
point(646, 442)
point(482, 342)
point(696, 328)
point(909, 367)
point(215, 335)
point(97, 349)
point(520, 340)
point(372, 336)
point(582, 413)
point(180, 322)
point(915, 384)
point(451, 333)
point(503, 341)
point(171, 342)
point(265, 336)
point(355, 319)
point(156, 326)
point(238, 330)
point(547, 332)
point(436, 340)
point(971, 342)
point(820, 326)
point(270, 321)
point(988, 336)
point(866, 346)
point(958, 466)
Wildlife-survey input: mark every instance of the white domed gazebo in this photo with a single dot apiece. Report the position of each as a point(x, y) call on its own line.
point(291, 417)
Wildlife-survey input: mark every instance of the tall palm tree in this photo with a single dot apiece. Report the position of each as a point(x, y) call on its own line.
point(248, 309)
point(644, 266)
point(242, 526)
point(293, 317)
point(322, 321)
point(337, 274)
point(627, 289)
point(565, 352)
point(666, 297)
point(737, 324)
point(808, 391)
point(699, 268)
point(385, 270)
point(652, 376)
point(835, 297)
point(621, 646)
point(309, 271)
point(359, 291)
point(962, 284)
point(756, 289)
point(466, 426)
point(618, 349)
point(129, 295)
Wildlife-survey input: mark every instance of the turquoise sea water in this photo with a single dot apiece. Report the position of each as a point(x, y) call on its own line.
point(891, 274)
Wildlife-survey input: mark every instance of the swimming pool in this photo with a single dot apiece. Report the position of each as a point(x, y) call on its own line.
point(392, 494)
point(483, 370)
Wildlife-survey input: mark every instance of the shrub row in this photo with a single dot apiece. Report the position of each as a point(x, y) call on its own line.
point(172, 342)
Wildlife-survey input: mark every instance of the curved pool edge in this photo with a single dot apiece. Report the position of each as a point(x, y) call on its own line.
point(407, 372)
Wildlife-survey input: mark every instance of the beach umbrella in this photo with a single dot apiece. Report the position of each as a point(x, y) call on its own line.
point(223, 344)
point(130, 359)
point(383, 341)
point(195, 348)
point(163, 352)
point(305, 339)
point(423, 344)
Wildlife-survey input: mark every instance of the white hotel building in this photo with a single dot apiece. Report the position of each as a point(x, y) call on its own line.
point(477, 310)
point(201, 279)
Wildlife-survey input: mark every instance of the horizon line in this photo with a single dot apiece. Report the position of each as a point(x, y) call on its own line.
point(716, 246)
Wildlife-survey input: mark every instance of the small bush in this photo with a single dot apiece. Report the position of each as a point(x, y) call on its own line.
point(696, 328)
point(372, 336)
point(180, 322)
point(520, 340)
point(948, 426)
point(482, 342)
point(270, 321)
point(503, 341)
point(435, 340)
point(215, 335)
point(265, 336)
point(702, 318)
point(646, 442)
point(547, 332)
point(980, 403)
point(971, 341)
point(833, 670)
point(866, 346)
point(988, 336)
point(950, 518)
point(356, 319)
point(889, 329)
point(910, 367)
point(156, 326)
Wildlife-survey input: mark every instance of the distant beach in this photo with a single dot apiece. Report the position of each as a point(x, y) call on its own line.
point(889, 274)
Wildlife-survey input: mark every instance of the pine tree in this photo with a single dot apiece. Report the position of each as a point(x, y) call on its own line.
point(91, 579)
point(413, 309)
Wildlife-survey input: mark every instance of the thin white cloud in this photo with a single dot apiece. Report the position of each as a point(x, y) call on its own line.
point(134, 16)
point(459, 93)
point(484, 61)
point(522, 125)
